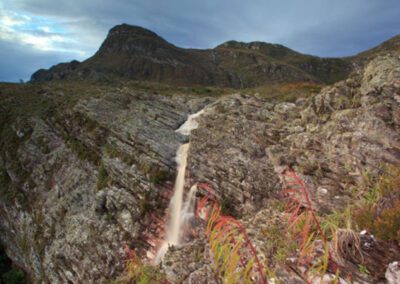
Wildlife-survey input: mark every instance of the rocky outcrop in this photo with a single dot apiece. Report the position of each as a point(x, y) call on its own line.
point(86, 181)
point(84, 175)
point(331, 140)
point(347, 128)
point(189, 264)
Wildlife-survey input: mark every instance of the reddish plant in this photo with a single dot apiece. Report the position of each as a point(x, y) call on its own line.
point(227, 235)
point(131, 255)
point(304, 224)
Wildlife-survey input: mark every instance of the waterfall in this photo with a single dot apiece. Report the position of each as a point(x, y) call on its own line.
point(190, 124)
point(180, 212)
point(188, 207)
point(176, 201)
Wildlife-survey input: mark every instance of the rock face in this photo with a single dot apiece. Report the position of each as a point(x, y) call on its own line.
point(84, 174)
point(189, 264)
point(131, 52)
point(331, 140)
point(350, 126)
point(85, 181)
point(233, 159)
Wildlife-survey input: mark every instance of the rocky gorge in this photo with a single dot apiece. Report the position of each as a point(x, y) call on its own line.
point(87, 170)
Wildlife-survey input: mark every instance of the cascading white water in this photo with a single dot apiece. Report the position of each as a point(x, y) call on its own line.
point(180, 213)
point(176, 201)
point(190, 124)
point(188, 207)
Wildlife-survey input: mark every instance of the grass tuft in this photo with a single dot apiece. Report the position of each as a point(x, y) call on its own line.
point(138, 272)
point(347, 245)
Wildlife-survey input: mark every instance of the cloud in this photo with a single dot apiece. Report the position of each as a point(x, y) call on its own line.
point(38, 32)
point(76, 28)
point(19, 61)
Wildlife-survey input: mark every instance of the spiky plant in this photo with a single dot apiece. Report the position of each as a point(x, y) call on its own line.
point(305, 228)
point(235, 258)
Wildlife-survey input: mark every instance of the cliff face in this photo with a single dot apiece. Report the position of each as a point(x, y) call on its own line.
point(79, 183)
point(86, 171)
point(134, 53)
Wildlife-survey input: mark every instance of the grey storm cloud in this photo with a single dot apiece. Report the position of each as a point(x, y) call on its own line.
point(45, 32)
point(18, 62)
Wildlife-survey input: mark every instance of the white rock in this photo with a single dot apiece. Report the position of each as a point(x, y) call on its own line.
point(284, 107)
point(392, 273)
point(322, 190)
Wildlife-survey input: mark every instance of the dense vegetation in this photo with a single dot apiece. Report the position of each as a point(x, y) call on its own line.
point(9, 274)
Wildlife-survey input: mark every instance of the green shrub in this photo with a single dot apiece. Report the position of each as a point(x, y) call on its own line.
point(385, 225)
point(145, 203)
point(14, 276)
point(114, 152)
point(228, 206)
point(379, 210)
point(158, 176)
point(83, 152)
point(8, 273)
point(5, 182)
point(155, 174)
point(102, 177)
point(276, 247)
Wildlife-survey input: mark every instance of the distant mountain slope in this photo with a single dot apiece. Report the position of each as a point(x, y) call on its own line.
point(134, 53)
point(392, 46)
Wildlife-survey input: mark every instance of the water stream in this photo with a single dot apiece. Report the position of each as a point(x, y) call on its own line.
point(180, 212)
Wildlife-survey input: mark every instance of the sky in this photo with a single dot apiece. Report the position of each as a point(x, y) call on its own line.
point(37, 34)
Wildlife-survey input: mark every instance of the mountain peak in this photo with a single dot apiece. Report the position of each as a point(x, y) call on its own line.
point(128, 39)
point(130, 30)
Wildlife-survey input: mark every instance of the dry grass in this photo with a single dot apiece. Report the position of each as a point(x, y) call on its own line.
point(347, 245)
point(288, 92)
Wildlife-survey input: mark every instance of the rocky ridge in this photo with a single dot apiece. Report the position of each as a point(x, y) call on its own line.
point(134, 53)
point(78, 183)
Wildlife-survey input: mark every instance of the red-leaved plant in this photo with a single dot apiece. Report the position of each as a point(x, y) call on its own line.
point(235, 257)
point(305, 228)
